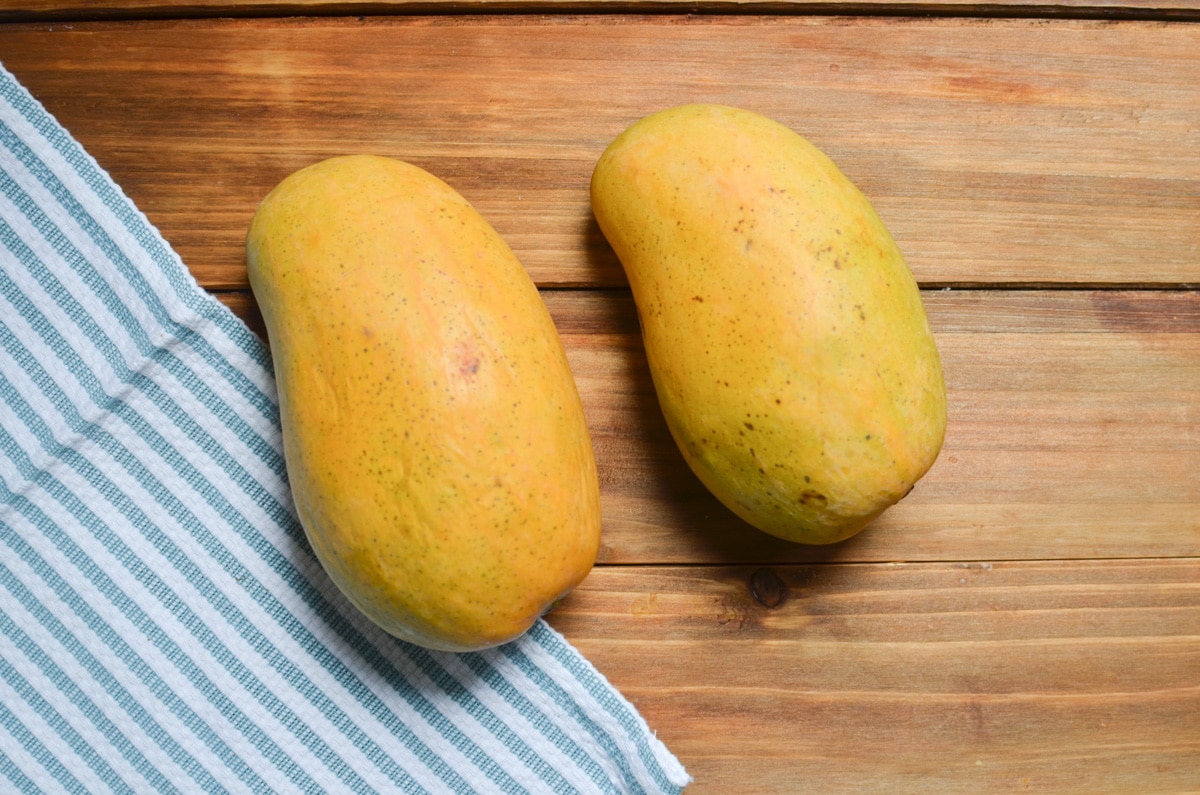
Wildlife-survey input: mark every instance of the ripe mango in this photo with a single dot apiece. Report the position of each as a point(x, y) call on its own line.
point(786, 336)
point(433, 434)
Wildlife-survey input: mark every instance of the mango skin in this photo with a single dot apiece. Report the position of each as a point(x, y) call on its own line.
point(786, 336)
point(433, 434)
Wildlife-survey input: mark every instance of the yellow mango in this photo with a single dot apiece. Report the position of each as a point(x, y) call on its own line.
point(786, 336)
point(433, 434)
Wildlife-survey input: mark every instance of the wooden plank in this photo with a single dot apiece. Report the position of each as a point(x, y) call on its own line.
point(923, 678)
point(26, 10)
point(1074, 432)
point(998, 151)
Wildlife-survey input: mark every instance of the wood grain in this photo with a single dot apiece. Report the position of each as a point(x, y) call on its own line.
point(1074, 432)
point(1003, 152)
point(924, 678)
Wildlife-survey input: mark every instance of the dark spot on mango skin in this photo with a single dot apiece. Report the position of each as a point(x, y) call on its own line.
point(809, 497)
point(466, 358)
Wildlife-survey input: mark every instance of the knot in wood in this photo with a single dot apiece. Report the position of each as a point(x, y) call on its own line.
point(767, 588)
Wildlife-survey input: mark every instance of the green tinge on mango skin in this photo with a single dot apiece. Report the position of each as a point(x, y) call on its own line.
point(785, 334)
point(433, 433)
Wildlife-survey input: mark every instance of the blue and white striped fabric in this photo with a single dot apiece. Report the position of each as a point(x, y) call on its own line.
point(164, 626)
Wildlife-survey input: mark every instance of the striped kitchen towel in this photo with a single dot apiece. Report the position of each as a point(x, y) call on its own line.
point(164, 626)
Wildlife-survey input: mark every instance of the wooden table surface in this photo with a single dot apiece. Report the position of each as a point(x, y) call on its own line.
point(1028, 619)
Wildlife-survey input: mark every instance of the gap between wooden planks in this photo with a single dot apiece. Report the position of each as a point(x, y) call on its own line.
point(1074, 432)
point(997, 151)
point(76, 10)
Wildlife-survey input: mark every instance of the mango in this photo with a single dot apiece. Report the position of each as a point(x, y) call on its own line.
point(433, 435)
point(785, 335)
